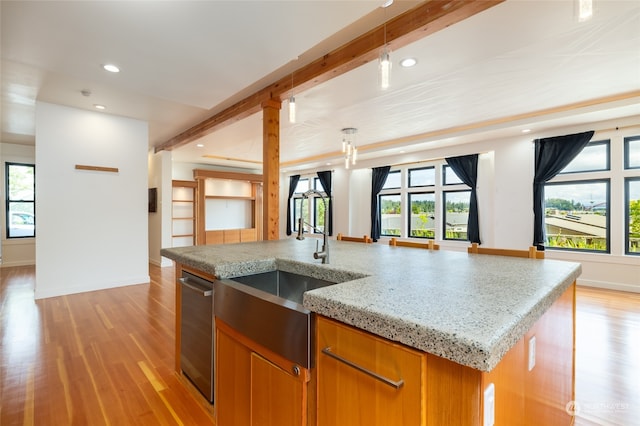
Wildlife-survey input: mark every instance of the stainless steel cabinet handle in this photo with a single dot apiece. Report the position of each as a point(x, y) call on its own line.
point(394, 384)
point(204, 292)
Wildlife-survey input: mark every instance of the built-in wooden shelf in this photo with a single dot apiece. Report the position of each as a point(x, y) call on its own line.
point(97, 168)
point(229, 197)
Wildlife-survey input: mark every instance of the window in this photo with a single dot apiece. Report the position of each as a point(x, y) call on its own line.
point(577, 202)
point(449, 177)
point(20, 201)
point(424, 202)
point(425, 176)
point(390, 214)
point(456, 214)
point(393, 180)
point(632, 153)
point(576, 215)
point(312, 208)
point(594, 157)
point(632, 215)
point(422, 220)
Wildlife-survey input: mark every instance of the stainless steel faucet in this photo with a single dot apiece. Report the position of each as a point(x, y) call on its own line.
point(324, 254)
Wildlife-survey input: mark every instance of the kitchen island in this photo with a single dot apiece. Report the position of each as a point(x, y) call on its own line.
point(478, 318)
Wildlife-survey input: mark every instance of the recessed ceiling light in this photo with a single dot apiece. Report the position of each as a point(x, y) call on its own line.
point(526, 130)
point(408, 62)
point(111, 68)
point(98, 106)
point(200, 145)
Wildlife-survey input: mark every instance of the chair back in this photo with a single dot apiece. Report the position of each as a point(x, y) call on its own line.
point(363, 239)
point(430, 244)
point(532, 253)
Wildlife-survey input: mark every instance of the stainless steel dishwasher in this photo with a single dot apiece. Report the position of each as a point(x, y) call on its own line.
point(196, 328)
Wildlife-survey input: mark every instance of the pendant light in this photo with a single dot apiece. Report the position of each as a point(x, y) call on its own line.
point(384, 60)
point(349, 147)
point(292, 104)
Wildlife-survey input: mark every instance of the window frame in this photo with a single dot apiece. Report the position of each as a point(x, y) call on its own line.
point(390, 194)
point(627, 215)
point(410, 213)
point(444, 211)
point(405, 191)
point(313, 182)
point(409, 185)
point(627, 152)
point(9, 201)
point(585, 180)
point(607, 168)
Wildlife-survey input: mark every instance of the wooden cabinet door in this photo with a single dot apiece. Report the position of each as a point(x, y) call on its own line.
point(349, 395)
point(277, 396)
point(232, 394)
point(256, 390)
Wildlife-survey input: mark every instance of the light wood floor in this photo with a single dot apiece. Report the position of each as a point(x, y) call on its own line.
point(106, 357)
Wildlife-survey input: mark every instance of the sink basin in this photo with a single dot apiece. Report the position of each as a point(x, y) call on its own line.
point(287, 285)
point(267, 308)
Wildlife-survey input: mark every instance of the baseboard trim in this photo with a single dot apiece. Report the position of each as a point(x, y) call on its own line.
point(610, 286)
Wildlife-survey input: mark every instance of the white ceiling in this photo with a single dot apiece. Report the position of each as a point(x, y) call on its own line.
point(519, 63)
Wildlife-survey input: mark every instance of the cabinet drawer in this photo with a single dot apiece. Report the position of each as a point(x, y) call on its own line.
point(367, 380)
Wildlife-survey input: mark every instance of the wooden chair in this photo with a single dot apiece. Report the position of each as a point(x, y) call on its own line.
point(363, 239)
point(532, 253)
point(430, 244)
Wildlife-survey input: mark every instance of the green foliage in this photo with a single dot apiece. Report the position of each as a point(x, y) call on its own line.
point(634, 218)
point(582, 242)
point(390, 207)
point(562, 204)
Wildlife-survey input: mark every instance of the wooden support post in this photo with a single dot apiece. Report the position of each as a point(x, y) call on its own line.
point(271, 168)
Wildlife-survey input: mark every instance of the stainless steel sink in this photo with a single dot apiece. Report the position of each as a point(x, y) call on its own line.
point(267, 308)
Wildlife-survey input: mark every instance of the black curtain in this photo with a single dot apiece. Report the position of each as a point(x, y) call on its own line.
point(466, 167)
point(378, 178)
point(325, 180)
point(551, 156)
point(293, 182)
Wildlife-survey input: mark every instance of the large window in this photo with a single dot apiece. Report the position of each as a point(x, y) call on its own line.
point(20, 201)
point(311, 209)
point(632, 195)
point(577, 202)
point(424, 202)
point(633, 215)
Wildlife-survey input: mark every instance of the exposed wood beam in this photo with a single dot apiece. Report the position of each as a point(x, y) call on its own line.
point(419, 22)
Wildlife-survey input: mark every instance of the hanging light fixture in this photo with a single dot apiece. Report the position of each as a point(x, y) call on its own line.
point(384, 60)
point(349, 147)
point(292, 104)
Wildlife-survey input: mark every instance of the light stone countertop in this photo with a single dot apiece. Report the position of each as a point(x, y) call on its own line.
point(470, 309)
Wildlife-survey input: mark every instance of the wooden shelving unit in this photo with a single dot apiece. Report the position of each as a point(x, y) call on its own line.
point(183, 213)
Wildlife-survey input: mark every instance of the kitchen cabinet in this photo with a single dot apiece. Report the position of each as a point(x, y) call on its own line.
point(366, 380)
point(531, 385)
point(254, 386)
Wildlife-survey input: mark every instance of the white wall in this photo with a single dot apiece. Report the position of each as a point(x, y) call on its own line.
point(505, 194)
point(160, 222)
point(15, 251)
point(92, 226)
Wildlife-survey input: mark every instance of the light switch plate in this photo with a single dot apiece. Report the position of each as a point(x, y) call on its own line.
point(489, 405)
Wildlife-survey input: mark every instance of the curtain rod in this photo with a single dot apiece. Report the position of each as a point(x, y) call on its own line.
point(611, 129)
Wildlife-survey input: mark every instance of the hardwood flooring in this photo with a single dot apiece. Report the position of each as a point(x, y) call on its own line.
point(98, 358)
point(106, 357)
point(607, 358)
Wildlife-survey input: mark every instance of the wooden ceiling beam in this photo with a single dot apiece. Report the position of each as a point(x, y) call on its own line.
point(419, 22)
